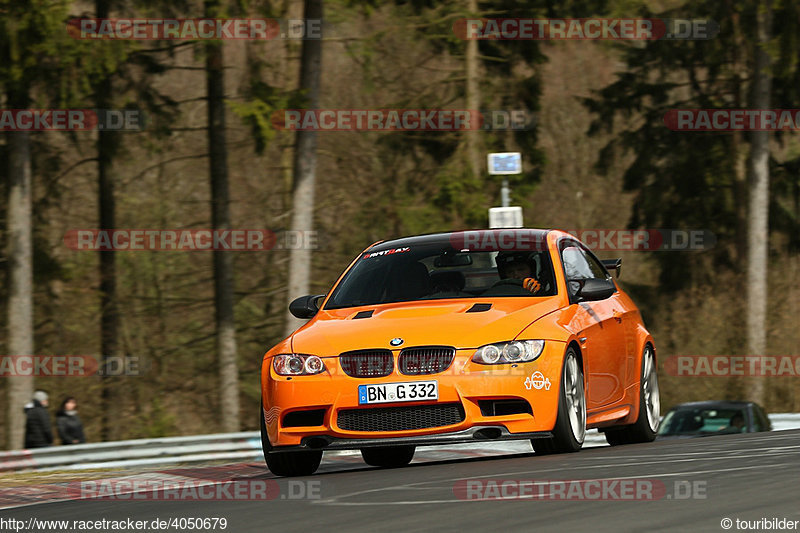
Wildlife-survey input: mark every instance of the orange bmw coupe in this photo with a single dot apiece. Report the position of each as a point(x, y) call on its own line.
point(460, 337)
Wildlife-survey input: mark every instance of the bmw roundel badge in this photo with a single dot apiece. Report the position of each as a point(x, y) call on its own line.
point(397, 341)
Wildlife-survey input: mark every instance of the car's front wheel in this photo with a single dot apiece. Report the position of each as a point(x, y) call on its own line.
point(646, 425)
point(288, 464)
point(388, 456)
point(570, 429)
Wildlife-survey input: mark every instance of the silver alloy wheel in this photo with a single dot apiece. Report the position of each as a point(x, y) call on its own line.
point(652, 401)
point(576, 400)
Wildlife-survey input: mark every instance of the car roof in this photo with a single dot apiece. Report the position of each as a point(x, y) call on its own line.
point(446, 238)
point(712, 404)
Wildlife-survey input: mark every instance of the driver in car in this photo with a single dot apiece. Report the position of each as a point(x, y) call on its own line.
point(736, 424)
point(516, 265)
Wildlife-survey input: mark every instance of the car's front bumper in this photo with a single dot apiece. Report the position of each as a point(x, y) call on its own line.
point(465, 383)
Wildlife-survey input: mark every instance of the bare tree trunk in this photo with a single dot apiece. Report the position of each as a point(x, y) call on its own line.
point(738, 154)
point(20, 274)
point(109, 312)
point(758, 234)
point(473, 96)
point(221, 219)
point(305, 166)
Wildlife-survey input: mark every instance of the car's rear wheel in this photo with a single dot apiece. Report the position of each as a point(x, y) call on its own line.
point(570, 429)
point(646, 425)
point(388, 456)
point(288, 464)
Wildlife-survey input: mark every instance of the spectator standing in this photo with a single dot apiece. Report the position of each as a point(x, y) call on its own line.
point(70, 427)
point(38, 429)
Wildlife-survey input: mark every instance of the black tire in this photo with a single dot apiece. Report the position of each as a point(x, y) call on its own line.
point(388, 456)
point(646, 425)
point(288, 464)
point(564, 439)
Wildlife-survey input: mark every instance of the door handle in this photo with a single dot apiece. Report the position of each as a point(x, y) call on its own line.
point(617, 315)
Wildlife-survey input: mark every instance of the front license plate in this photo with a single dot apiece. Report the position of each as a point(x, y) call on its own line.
point(414, 391)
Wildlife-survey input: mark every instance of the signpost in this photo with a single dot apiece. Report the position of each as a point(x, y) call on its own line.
point(503, 164)
point(505, 217)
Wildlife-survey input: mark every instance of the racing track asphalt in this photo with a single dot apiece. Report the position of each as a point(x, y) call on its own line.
point(741, 476)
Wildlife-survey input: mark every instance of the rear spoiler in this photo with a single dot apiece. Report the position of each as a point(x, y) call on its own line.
point(613, 264)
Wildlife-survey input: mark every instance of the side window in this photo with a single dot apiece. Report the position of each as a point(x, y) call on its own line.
point(760, 420)
point(576, 267)
point(597, 269)
point(575, 264)
point(580, 265)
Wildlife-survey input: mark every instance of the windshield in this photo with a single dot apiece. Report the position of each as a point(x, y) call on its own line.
point(703, 422)
point(440, 272)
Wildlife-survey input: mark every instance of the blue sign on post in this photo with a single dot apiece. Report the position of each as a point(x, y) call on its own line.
point(505, 163)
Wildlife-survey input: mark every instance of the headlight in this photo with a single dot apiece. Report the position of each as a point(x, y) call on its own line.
point(488, 354)
point(293, 364)
point(508, 352)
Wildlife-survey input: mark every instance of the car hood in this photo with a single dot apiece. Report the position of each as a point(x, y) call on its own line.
point(447, 323)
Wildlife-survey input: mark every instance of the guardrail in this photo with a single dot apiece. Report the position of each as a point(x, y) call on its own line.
point(243, 446)
point(138, 452)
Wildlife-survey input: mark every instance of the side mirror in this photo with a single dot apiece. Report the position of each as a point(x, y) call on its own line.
point(613, 264)
point(597, 289)
point(305, 306)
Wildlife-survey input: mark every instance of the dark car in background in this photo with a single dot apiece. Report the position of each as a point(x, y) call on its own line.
point(703, 419)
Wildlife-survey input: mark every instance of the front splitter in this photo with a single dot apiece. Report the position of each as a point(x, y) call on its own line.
point(473, 434)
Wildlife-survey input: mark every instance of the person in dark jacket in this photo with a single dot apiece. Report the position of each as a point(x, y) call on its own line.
point(70, 427)
point(38, 430)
